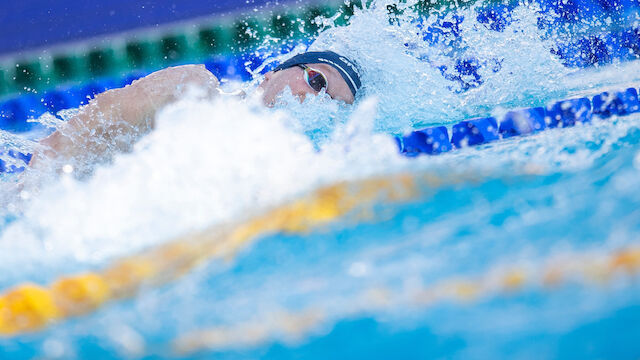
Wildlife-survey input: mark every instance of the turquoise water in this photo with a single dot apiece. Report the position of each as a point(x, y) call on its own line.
point(352, 289)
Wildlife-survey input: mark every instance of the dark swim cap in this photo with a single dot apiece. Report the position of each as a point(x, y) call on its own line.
point(347, 68)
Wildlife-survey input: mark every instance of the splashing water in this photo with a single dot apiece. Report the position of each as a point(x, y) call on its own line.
point(410, 84)
point(516, 203)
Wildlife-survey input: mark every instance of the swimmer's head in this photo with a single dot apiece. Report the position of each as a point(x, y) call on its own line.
point(311, 72)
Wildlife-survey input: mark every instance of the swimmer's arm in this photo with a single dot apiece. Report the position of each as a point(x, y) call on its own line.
point(122, 114)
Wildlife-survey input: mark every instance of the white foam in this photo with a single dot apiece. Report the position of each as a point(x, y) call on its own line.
point(207, 162)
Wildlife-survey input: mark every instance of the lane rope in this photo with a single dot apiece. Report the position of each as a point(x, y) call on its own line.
point(520, 122)
point(29, 307)
point(586, 268)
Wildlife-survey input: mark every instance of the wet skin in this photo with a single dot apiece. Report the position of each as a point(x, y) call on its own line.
point(275, 82)
point(131, 110)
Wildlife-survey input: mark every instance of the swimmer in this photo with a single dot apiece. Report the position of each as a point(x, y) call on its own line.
point(117, 118)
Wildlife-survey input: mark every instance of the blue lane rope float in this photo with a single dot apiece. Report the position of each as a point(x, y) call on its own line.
point(619, 103)
point(433, 140)
point(474, 132)
point(523, 121)
point(567, 112)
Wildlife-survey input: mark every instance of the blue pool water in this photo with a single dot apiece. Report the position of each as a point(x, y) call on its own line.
point(366, 285)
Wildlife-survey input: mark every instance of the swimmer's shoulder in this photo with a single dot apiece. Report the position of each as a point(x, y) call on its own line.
point(182, 74)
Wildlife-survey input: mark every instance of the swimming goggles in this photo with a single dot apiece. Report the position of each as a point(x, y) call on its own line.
point(314, 78)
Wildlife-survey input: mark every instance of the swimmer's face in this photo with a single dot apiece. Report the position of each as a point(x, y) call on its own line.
point(275, 82)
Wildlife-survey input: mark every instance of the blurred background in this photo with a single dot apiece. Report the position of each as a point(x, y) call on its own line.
point(64, 51)
point(59, 53)
point(521, 247)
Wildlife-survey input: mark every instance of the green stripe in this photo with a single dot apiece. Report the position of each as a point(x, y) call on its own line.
point(147, 54)
point(140, 54)
point(174, 49)
point(213, 40)
point(68, 67)
point(28, 76)
point(4, 84)
point(102, 62)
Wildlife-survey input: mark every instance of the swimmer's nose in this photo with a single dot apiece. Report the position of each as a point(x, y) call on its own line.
point(267, 77)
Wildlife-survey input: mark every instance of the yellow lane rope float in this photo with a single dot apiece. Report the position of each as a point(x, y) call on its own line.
point(582, 268)
point(30, 307)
